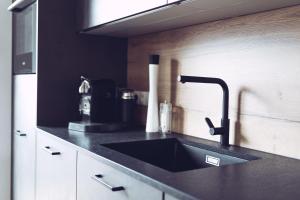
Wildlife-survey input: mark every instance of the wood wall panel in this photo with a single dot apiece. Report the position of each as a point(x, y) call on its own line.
point(257, 55)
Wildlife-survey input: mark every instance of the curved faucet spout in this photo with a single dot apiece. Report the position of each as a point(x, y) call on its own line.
point(224, 129)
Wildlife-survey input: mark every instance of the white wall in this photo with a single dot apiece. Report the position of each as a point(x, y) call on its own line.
point(5, 100)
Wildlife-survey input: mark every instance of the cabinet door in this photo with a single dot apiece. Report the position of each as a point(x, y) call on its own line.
point(56, 170)
point(24, 139)
point(97, 12)
point(24, 166)
point(95, 181)
point(25, 102)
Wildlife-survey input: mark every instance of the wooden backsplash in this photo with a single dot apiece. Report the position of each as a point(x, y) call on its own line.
point(259, 58)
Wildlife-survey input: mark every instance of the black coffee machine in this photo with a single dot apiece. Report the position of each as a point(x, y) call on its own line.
point(103, 107)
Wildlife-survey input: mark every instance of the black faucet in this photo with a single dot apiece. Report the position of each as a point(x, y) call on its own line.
point(223, 131)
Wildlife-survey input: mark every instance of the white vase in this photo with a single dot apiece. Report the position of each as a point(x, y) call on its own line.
point(152, 124)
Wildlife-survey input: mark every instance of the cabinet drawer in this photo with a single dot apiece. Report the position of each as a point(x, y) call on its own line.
point(56, 169)
point(96, 180)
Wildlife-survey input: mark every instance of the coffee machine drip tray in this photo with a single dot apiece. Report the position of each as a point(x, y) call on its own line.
point(93, 127)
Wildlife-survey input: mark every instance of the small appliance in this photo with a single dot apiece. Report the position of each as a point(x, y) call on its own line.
point(128, 103)
point(24, 36)
point(103, 107)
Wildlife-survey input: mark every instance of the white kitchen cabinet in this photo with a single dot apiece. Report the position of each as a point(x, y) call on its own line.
point(24, 102)
point(24, 137)
point(24, 166)
point(98, 12)
point(56, 169)
point(96, 180)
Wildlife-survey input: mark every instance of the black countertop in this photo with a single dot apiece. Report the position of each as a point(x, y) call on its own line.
point(271, 177)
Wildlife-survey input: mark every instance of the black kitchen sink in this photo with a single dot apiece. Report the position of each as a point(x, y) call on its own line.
point(179, 155)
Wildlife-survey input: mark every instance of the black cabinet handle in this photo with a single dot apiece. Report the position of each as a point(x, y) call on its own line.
point(48, 150)
point(21, 134)
point(99, 179)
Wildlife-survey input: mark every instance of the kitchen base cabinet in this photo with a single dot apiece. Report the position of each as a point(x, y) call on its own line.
point(56, 170)
point(96, 180)
point(23, 165)
point(24, 137)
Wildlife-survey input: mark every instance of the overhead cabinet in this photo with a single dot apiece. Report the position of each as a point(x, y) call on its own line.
point(134, 17)
point(97, 12)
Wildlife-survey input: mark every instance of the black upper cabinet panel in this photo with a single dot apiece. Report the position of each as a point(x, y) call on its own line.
point(99, 12)
point(134, 17)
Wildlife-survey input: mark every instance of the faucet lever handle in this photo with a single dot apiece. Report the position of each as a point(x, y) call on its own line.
point(209, 123)
point(212, 129)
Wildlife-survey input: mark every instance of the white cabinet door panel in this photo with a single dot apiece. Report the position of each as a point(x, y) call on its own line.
point(24, 137)
point(56, 170)
point(25, 102)
point(24, 166)
point(92, 188)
